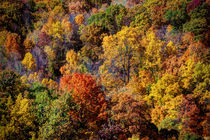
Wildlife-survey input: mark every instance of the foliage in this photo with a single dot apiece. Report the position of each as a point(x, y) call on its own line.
point(120, 50)
point(72, 64)
point(29, 62)
point(104, 69)
point(11, 84)
point(79, 19)
point(131, 114)
point(88, 95)
point(12, 44)
point(21, 121)
point(153, 50)
point(110, 19)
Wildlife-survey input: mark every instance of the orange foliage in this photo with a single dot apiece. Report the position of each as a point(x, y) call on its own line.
point(12, 44)
point(87, 94)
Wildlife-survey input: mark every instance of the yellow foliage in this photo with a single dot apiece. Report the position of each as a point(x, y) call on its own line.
point(35, 77)
point(72, 63)
point(50, 83)
point(29, 61)
point(120, 50)
point(56, 30)
point(170, 110)
point(79, 19)
point(153, 47)
point(186, 72)
point(21, 119)
point(50, 52)
point(170, 49)
point(164, 90)
point(169, 28)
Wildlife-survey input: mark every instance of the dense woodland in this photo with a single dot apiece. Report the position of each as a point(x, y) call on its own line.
point(104, 69)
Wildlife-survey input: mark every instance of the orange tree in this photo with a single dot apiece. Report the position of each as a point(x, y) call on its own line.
point(88, 95)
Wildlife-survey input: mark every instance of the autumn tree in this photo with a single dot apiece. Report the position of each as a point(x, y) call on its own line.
point(111, 19)
point(72, 64)
point(43, 39)
point(29, 62)
point(198, 21)
point(76, 7)
point(79, 19)
point(153, 50)
point(11, 14)
point(28, 45)
point(21, 121)
point(51, 55)
point(130, 113)
point(12, 44)
point(191, 117)
point(88, 95)
point(119, 52)
point(92, 37)
point(11, 84)
point(164, 90)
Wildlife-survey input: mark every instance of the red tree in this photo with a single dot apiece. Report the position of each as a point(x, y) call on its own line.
point(12, 44)
point(87, 94)
point(191, 115)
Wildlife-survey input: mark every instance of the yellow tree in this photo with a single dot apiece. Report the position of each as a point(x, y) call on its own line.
point(164, 90)
point(29, 62)
point(153, 50)
point(72, 64)
point(120, 51)
point(79, 19)
point(21, 122)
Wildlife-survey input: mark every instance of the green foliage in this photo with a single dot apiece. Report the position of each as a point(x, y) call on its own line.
point(177, 17)
point(111, 18)
point(58, 123)
point(168, 124)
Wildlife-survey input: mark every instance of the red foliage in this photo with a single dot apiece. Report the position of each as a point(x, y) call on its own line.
point(12, 44)
point(87, 94)
point(43, 39)
point(191, 114)
point(193, 4)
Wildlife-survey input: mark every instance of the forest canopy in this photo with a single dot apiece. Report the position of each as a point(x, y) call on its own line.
point(104, 69)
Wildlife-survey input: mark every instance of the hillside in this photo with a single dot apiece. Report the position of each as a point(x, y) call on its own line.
point(104, 69)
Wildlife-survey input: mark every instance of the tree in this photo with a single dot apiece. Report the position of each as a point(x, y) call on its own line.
point(88, 95)
point(166, 88)
point(44, 39)
point(156, 10)
point(130, 113)
point(72, 64)
point(29, 62)
point(120, 51)
point(76, 7)
point(92, 37)
point(142, 20)
point(11, 84)
point(21, 122)
point(11, 14)
point(191, 117)
point(79, 19)
point(176, 14)
point(12, 44)
point(153, 50)
point(28, 45)
point(111, 19)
